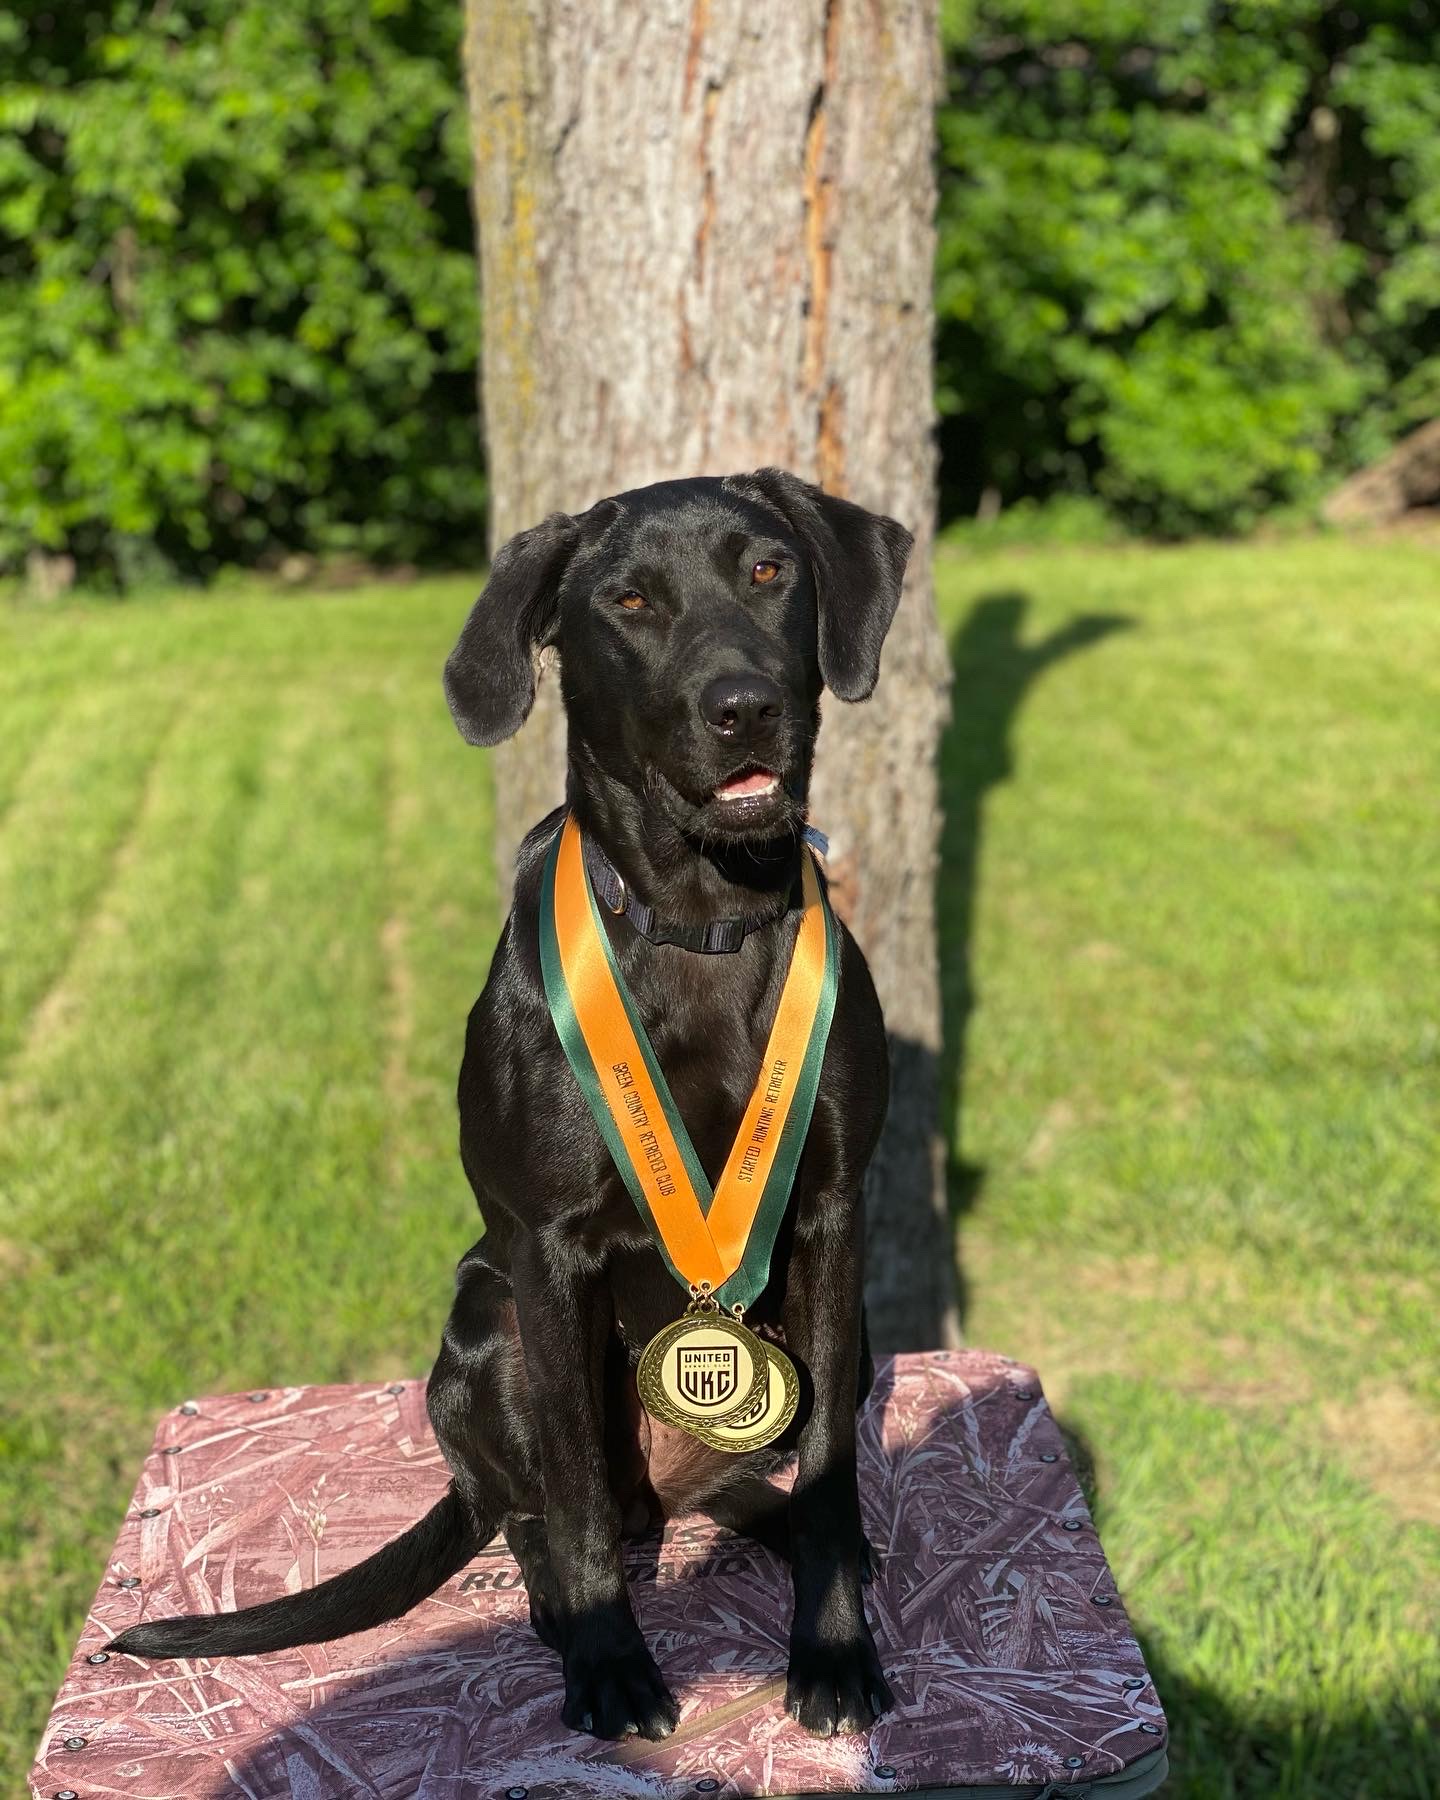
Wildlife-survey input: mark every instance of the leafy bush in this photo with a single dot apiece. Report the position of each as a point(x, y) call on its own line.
point(1189, 268)
point(1189, 255)
point(1383, 188)
point(237, 305)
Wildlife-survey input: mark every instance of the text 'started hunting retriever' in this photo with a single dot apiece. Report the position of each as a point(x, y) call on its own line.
point(671, 1004)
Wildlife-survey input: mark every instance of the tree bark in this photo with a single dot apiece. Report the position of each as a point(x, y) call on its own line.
point(706, 234)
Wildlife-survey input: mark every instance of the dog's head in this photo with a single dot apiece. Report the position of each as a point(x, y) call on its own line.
point(697, 622)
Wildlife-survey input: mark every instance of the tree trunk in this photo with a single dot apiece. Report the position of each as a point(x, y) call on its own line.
point(706, 245)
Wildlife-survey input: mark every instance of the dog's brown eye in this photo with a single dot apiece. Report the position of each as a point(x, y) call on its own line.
point(764, 571)
point(631, 601)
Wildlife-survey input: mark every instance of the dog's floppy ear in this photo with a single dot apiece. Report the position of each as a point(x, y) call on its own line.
point(859, 561)
point(490, 674)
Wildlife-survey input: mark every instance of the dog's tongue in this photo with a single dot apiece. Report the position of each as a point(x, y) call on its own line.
point(759, 781)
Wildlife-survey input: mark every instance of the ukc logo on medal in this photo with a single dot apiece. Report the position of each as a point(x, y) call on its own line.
point(707, 1376)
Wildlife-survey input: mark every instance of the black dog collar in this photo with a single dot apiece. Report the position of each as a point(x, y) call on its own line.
point(715, 938)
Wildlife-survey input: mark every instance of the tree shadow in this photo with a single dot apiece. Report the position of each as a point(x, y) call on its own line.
point(994, 668)
point(1222, 1747)
point(1271, 1746)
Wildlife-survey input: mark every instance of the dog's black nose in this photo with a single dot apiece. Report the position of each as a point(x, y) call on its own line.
point(742, 708)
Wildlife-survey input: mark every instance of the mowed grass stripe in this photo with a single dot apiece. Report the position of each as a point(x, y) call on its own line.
point(88, 1095)
point(136, 1156)
point(26, 719)
point(438, 935)
point(88, 1156)
point(71, 813)
point(285, 1109)
point(89, 1117)
point(256, 1154)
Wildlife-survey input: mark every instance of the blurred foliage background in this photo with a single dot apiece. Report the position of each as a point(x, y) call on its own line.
point(1189, 258)
point(237, 292)
point(1188, 271)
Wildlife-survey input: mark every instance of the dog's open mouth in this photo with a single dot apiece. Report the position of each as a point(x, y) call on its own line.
point(749, 784)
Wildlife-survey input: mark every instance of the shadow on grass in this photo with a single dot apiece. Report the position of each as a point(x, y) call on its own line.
point(1270, 1751)
point(1222, 1746)
point(994, 671)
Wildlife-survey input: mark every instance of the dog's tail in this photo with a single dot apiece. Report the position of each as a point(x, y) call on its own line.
point(384, 1586)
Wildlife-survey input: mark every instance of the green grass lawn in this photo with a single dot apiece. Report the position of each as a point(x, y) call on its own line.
point(1190, 940)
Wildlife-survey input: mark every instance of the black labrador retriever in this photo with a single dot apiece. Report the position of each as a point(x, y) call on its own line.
point(698, 621)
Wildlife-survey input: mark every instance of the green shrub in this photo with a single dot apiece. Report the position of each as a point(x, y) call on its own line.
point(1189, 255)
point(1188, 269)
point(1384, 186)
point(237, 309)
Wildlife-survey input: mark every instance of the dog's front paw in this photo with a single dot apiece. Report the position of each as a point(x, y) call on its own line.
point(617, 1693)
point(836, 1687)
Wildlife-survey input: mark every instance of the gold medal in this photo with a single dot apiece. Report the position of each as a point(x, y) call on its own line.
point(705, 1369)
point(763, 1421)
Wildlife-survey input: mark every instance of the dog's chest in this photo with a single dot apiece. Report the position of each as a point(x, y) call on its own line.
point(708, 1020)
